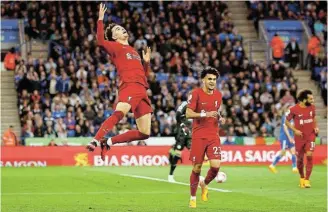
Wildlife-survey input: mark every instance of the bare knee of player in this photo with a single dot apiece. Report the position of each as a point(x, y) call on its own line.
point(197, 168)
point(144, 124)
point(292, 150)
point(123, 107)
point(215, 163)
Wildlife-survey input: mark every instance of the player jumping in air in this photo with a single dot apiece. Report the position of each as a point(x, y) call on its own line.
point(133, 85)
point(182, 138)
point(203, 106)
point(287, 142)
point(305, 131)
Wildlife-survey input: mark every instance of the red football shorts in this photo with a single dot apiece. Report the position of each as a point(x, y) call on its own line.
point(136, 95)
point(202, 146)
point(303, 146)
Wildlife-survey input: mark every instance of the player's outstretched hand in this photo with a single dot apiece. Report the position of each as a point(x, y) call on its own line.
point(298, 133)
point(102, 10)
point(146, 55)
point(213, 114)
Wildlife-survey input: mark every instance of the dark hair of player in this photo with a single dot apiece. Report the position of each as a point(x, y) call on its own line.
point(304, 95)
point(108, 32)
point(209, 70)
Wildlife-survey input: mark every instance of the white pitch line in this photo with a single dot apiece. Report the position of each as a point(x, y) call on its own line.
point(162, 180)
point(87, 193)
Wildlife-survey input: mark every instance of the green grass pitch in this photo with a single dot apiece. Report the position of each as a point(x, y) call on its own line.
point(78, 189)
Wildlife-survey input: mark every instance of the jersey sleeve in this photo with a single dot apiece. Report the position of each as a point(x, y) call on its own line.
point(290, 114)
point(181, 112)
point(110, 46)
point(219, 101)
point(192, 100)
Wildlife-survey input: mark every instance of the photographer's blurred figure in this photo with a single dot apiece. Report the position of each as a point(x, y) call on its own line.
point(9, 138)
point(142, 143)
point(292, 51)
point(52, 143)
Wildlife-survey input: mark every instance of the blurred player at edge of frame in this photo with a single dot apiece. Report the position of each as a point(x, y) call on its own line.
point(287, 143)
point(203, 106)
point(133, 85)
point(305, 130)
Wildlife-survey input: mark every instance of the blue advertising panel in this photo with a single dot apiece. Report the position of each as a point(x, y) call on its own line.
point(9, 31)
point(285, 29)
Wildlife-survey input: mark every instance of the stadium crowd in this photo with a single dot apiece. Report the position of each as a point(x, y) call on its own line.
point(314, 13)
point(71, 92)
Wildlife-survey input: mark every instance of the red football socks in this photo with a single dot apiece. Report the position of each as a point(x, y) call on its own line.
point(194, 180)
point(309, 166)
point(300, 165)
point(211, 174)
point(109, 124)
point(131, 135)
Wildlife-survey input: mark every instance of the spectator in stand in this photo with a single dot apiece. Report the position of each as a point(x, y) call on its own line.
point(62, 85)
point(70, 123)
point(278, 71)
point(293, 51)
point(313, 49)
point(278, 46)
point(288, 99)
point(9, 137)
point(10, 60)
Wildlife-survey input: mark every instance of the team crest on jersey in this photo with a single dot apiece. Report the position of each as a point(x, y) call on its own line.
point(216, 103)
point(311, 113)
point(130, 56)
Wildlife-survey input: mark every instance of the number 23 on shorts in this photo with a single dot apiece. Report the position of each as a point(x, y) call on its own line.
point(216, 150)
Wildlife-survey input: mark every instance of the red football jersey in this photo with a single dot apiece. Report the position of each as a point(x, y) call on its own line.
point(199, 101)
point(303, 120)
point(125, 58)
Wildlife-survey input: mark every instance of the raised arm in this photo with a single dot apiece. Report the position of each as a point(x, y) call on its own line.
point(100, 25)
point(100, 33)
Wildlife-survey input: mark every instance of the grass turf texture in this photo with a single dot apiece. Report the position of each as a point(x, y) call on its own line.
point(103, 189)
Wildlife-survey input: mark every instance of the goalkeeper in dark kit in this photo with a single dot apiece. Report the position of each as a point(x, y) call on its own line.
point(182, 138)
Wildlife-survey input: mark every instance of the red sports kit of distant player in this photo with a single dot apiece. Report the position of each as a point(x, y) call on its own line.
point(133, 86)
point(203, 106)
point(305, 131)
